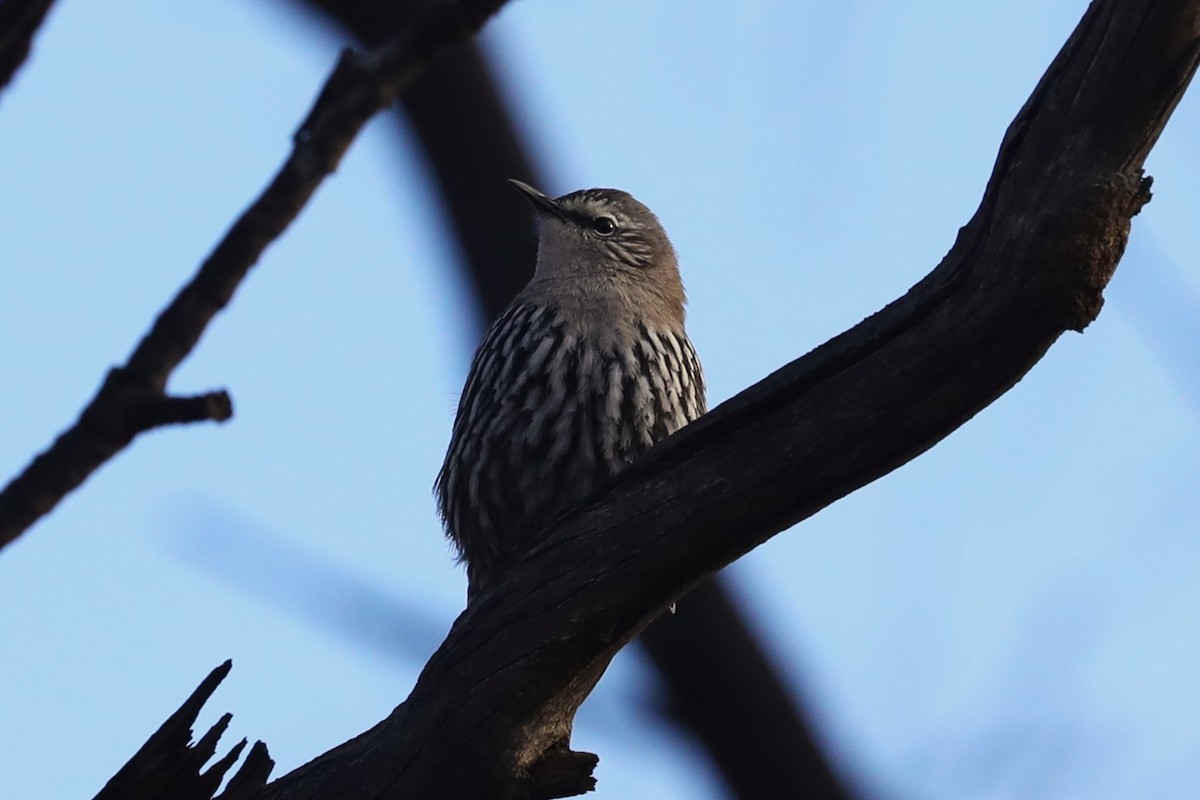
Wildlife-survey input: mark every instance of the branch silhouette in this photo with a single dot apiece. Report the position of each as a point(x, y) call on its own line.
point(133, 398)
point(491, 713)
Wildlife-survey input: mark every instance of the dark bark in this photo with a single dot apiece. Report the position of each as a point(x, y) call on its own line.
point(19, 21)
point(722, 687)
point(501, 692)
point(170, 767)
point(134, 399)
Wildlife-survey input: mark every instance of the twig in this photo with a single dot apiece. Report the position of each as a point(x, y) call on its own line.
point(133, 399)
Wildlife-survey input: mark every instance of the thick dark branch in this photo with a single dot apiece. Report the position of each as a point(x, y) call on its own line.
point(503, 689)
point(19, 21)
point(362, 84)
point(500, 694)
point(721, 686)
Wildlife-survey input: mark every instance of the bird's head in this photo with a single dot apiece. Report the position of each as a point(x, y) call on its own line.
point(605, 243)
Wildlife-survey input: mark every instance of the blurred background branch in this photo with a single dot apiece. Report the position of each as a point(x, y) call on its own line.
point(133, 398)
point(19, 21)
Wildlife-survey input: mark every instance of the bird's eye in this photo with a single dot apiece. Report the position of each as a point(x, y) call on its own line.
point(604, 225)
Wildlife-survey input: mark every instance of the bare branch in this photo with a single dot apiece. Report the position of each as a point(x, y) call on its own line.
point(168, 765)
point(361, 85)
point(722, 687)
point(501, 693)
point(19, 21)
point(1032, 263)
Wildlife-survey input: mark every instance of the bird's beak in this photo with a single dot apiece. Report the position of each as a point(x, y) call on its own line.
point(541, 203)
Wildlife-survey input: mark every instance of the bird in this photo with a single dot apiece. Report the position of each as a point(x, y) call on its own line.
point(584, 371)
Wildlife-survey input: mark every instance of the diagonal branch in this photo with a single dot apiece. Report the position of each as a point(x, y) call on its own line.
point(1031, 264)
point(721, 686)
point(495, 703)
point(133, 399)
point(19, 21)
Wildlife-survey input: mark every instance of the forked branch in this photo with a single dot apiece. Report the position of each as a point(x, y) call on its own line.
point(134, 398)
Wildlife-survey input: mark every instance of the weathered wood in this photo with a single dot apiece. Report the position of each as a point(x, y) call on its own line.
point(169, 766)
point(502, 691)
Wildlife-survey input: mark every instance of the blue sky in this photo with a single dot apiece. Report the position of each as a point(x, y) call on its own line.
point(1012, 615)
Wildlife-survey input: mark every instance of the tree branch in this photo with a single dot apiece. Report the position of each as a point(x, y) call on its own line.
point(133, 398)
point(505, 685)
point(168, 765)
point(721, 686)
point(19, 21)
point(502, 691)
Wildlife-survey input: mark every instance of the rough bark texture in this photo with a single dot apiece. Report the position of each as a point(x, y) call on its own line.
point(721, 686)
point(500, 693)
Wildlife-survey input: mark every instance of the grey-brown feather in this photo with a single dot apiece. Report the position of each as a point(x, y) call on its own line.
point(587, 369)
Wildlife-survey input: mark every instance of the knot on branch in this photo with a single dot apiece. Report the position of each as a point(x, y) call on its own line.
point(127, 405)
point(562, 772)
point(1085, 244)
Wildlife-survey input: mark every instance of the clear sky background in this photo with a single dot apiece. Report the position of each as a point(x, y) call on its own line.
point(1013, 615)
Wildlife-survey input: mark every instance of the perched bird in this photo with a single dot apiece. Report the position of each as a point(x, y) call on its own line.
point(585, 370)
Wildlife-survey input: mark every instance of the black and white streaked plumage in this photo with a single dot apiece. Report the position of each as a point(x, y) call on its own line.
point(587, 368)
